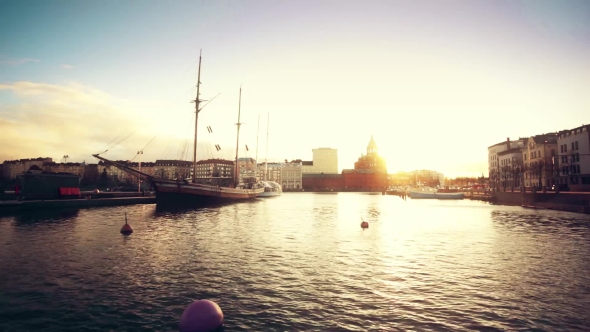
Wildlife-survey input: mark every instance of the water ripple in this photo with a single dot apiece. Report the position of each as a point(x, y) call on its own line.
point(299, 262)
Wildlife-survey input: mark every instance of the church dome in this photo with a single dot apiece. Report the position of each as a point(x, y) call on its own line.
point(372, 147)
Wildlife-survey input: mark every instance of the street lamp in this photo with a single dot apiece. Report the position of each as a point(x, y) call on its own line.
point(139, 182)
point(66, 158)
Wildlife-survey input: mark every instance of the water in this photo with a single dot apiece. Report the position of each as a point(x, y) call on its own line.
point(299, 262)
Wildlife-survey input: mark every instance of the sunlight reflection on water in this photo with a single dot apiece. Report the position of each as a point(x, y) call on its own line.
point(298, 262)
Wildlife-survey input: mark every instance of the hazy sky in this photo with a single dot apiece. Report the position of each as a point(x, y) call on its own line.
point(436, 82)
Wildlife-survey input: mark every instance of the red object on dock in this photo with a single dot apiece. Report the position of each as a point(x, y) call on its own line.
point(69, 191)
point(364, 224)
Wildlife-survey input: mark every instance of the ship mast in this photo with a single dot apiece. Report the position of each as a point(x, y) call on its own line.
point(237, 175)
point(266, 156)
point(256, 165)
point(197, 110)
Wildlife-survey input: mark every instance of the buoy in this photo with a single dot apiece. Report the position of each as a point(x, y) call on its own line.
point(201, 316)
point(364, 224)
point(126, 229)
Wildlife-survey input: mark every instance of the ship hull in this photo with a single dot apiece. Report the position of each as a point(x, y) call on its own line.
point(179, 192)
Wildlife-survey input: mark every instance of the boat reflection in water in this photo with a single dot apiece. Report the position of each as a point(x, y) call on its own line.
point(271, 189)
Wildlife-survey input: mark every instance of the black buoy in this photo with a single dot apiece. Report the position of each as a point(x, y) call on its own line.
point(126, 229)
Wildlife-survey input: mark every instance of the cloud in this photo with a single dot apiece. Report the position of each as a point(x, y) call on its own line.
point(66, 66)
point(78, 120)
point(14, 62)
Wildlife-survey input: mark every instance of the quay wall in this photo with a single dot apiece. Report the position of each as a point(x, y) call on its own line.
point(564, 201)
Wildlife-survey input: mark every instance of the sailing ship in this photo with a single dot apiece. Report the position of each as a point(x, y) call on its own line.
point(271, 188)
point(200, 190)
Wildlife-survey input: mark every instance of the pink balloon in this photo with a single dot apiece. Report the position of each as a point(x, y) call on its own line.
point(201, 316)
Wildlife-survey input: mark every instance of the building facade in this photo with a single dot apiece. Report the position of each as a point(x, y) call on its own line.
point(325, 160)
point(291, 175)
point(511, 168)
point(73, 168)
point(574, 158)
point(539, 158)
point(173, 169)
point(13, 168)
point(247, 168)
point(494, 167)
point(215, 168)
point(269, 172)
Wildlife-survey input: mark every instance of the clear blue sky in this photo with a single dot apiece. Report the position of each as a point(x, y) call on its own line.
point(436, 82)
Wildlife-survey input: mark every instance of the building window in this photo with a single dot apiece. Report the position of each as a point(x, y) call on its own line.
point(576, 145)
point(572, 145)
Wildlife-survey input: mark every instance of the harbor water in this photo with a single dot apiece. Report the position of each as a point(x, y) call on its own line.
point(299, 262)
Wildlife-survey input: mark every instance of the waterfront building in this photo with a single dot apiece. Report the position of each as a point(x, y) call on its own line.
point(574, 158)
point(270, 172)
point(325, 160)
point(494, 167)
point(13, 168)
point(72, 168)
point(511, 168)
point(291, 175)
point(247, 167)
point(215, 168)
point(172, 169)
point(322, 182)
point(539, 158)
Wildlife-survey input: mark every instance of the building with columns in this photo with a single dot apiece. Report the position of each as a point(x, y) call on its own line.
point(291, 175)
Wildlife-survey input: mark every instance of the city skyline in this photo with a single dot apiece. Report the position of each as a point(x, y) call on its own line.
point(436, 82)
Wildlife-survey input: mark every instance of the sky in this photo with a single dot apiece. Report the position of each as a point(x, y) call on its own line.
point(435, 82)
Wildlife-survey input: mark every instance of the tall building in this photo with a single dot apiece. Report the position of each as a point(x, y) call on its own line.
point(574, 158)
point(325, 160)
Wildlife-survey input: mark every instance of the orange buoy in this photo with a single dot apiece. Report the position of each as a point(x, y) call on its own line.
point(364, 224)
point(126, 229)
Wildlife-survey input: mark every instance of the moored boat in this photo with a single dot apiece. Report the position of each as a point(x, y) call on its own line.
point(434, 194)
point(271, 189)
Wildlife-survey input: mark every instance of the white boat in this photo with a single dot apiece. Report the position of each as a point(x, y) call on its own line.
point(271, 189)
point(429, 193)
